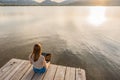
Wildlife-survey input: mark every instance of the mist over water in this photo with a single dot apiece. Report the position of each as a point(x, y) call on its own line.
point(66, 33)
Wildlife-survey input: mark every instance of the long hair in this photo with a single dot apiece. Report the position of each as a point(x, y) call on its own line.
point(37, 50)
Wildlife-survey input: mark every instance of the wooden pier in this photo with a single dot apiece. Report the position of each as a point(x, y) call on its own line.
point(17, 69)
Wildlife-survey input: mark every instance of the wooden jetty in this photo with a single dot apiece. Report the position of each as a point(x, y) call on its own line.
point(17, 69)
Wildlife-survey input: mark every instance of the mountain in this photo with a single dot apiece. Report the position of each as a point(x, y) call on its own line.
point(64, 3)
point(33, 2)
point(18, 2)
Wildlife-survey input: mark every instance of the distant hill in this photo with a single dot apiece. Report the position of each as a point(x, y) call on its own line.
point(65, 2)
point(33, 2)
point(18, 2)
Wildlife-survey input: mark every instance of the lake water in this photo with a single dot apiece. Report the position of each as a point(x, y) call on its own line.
point(86, 37)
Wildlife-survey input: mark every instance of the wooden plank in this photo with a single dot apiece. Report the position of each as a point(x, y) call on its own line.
point(13, 71)
point(38, 76)
point(29, 74)
point(17, 69)
point(60, 73)
point(51, 72)
point(7, 64)
point(9, 68)
point(83, 76)
point(21, 71)
point(80, 74)
point(67, 73)
point(70, 73)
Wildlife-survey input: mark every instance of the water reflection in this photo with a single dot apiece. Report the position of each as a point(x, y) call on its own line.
point(97, 15)
point(67, 33)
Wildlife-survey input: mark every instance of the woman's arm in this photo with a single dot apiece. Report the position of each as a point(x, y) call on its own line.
point(30, 59)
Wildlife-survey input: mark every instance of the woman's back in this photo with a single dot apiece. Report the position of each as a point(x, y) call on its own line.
point(39, 63)
point(38, 60)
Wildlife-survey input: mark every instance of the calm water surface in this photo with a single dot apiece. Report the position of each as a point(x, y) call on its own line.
point(86, 36)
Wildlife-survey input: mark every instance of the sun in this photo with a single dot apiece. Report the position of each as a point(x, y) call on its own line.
point(96, 15)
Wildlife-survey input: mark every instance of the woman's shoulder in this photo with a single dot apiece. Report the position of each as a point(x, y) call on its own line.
point(42, 56)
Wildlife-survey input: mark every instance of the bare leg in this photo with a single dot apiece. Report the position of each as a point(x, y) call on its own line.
point(47, 65)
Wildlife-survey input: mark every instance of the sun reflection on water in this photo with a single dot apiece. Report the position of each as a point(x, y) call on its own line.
point(97, 15)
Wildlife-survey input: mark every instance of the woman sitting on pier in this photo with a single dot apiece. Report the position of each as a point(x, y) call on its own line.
point(38, 60)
